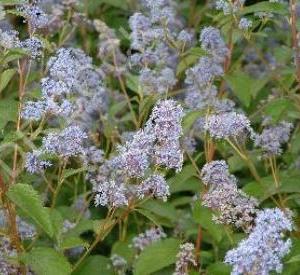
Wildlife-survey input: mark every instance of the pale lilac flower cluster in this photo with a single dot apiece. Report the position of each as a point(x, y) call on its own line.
point(273, 137)
point(34, 15)
point(245, 24)
point(67, 143)
point(9, 39)
point(110, 193)
point(201, 93)
point(33, 46)
point(165, 123)
point(155, 186)
point(232, 206)
point(185, 258)
point(228, 125)
point(263, 250)
point(156, 58)
point(229, 7)
point(34, 162)
point(155, 145)
point(148, 237)
point(73, 90)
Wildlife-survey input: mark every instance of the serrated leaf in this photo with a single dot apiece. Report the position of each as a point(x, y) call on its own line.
point(26, 198)
point(6, 76)
point(95, 265)
point(46, 261)
point(157, 256)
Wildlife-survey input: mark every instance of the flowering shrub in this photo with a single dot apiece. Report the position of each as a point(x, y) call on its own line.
point(149, 137)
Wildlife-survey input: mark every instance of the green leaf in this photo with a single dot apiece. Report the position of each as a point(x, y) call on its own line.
point(160, 208)
point(95, 265)
point(6, 76)
point(157, 256)
point(26, 198)
point(240, 83)
point(278, 108)
point(8, 111)
point(183, 180)
point(13, 2)
point(294, 259)
point(266, 6)
point(46, 261)
point(70, 242)
point(156, 219)
point(202, 215)
point(132, 82)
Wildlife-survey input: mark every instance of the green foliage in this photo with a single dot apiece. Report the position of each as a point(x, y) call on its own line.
point(156, 257)
point(28, 200)
point(46, 261)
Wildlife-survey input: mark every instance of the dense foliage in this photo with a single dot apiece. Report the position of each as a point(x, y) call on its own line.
point(149, 137)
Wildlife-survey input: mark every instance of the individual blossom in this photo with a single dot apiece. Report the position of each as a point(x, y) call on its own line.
point(148, 237)
point(185, 258)
point(245, 24)
point(273, 137)
point(34, 162)
point(227, 125)
point(263, 250)
point(155, 186)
